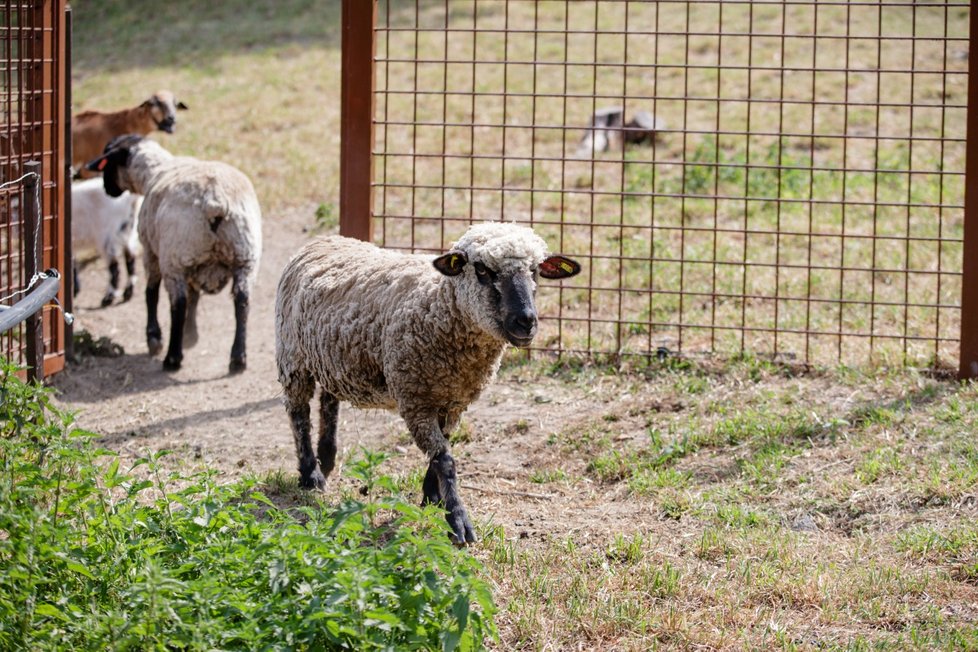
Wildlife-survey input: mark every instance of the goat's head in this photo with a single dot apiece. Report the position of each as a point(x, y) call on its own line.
point(113, 164)
point(497, 266)
point(162, 109)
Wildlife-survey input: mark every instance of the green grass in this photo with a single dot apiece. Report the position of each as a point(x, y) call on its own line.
point(95, 557)
point(771, 510)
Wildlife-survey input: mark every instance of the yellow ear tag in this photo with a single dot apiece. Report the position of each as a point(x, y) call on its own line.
point(454, 263)
point(567, 267)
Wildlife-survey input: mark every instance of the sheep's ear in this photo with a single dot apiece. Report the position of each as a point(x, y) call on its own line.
point(559, 267)
point(182, 106)
point(97, 164)
point(452, 263)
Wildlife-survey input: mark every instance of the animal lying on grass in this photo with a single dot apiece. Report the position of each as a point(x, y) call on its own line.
point(200, 227)
point(92, 130)
point(107, 225)
point(422, 337)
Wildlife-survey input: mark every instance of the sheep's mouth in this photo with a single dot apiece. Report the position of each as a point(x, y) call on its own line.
point(519, 341)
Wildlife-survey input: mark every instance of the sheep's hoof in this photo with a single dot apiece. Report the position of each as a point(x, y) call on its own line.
point(127, 293)
point(315, 480)
point(462, 531)
point(155, 345)
point(237, 365)
point(107, 300)
point(171, 364)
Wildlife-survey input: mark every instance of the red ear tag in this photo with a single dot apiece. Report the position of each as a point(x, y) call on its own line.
point(101, 164)
point(547, 268)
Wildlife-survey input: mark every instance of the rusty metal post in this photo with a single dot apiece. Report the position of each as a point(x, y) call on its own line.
point(33, 251)
point(68, 276)
point(968, 367)
point(356, 119)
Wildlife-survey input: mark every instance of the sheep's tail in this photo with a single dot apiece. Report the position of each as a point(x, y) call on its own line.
point(216, 212)
point(215, 221)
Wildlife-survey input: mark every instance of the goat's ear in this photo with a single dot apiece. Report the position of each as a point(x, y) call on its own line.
point(182, 106)
point(452, 263)
point(556, 267)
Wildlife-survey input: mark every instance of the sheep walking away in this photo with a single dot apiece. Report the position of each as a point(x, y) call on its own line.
point(199, 226)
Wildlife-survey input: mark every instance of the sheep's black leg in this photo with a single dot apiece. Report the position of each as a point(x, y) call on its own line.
point(298, 392)
point(113, 290)
point(130, 275)
point(329, 409)
point(441, 472)
point(190, 326)
point(154, 336)
point(178, 314)
point(239, 359)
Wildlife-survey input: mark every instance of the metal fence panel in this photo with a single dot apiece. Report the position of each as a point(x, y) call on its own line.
point(32, 127)
point(783, 178)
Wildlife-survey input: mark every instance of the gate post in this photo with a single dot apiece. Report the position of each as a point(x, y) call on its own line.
point(356, 119)
point(968, 367)
point(33, 239)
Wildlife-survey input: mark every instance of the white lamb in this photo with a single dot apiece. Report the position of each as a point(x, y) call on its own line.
point(199, 225)
point(409, 333)
point(107, 225)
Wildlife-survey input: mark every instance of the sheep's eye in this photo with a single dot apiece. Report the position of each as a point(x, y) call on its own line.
point(485, 275)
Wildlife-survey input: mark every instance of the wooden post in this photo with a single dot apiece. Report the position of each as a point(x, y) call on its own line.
point(33, 239)
point(356, 119)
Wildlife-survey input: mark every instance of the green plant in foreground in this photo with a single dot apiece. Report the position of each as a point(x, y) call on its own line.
point(95, 558)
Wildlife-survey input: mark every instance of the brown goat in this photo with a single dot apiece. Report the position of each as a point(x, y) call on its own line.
point(91, 130)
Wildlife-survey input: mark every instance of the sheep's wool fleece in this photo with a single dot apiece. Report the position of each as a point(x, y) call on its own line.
point(200, 220)
point(385, 329)
point(106, 224)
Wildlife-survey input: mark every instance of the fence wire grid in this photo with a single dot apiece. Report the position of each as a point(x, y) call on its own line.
point(31, 126)
point(781, 178)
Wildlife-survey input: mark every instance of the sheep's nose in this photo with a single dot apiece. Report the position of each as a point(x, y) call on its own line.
point(522, 325)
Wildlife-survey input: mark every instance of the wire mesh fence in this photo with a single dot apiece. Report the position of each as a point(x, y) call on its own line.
point(32, 123)
point(783, 178)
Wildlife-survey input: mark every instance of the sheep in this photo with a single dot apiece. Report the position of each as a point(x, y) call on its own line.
point(91, 130)
point(403, 332)
point(108, 225)
point(199, 226)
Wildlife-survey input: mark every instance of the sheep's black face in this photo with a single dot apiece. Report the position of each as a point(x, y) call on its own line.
point(112, 163)
point(512, 294)
point(507, 294)
point(517, 307)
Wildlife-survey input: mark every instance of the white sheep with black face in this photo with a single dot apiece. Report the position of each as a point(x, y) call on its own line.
point(200, 227)
point(107, 225)
point(408, 333)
